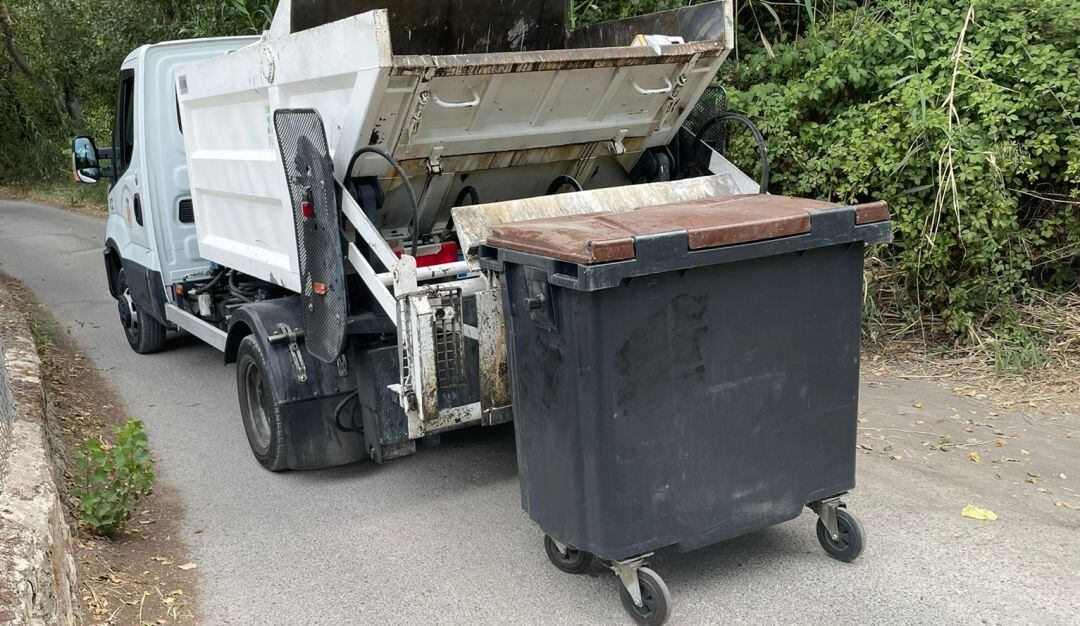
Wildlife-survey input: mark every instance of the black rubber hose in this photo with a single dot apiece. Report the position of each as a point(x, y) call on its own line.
point(470, 191)
point(404, 179)
point(236, 290)
point(763, 152)
point(562, 181)
point(213, 282)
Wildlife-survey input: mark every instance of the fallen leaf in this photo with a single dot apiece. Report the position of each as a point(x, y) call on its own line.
point(1024, 452)
point(1062, 504)
point(919, 422)
point(865, 446)
point(1001, 443)
point(999, 433)
point(917, 405)
point(896, 457)
point(973, 512)
point(975, 458)
point(1033, 480)
point(187, 566)
point(969, 429)
point(1062, 476)
point(1043, 490)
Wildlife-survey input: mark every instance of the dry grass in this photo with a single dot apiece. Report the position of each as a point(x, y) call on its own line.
point(79, 198)
point(1023, 354)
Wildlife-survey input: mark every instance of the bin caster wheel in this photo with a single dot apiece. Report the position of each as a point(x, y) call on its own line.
point(849, 544)
point(567, 559)
point(655, 599)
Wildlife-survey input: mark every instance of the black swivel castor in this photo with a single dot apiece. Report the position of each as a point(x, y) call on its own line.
point(655, 599)
point(849, 545)
point(571, 561)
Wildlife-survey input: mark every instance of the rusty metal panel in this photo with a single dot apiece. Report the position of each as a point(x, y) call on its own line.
point(474, 223)
point(494, 359)
point(452, 26)
point(702, 22)
point(709, 223)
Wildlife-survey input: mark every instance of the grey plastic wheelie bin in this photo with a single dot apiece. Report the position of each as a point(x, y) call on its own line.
point(684, 374)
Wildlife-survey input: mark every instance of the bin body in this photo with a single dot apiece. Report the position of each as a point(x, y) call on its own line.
point(684, 407)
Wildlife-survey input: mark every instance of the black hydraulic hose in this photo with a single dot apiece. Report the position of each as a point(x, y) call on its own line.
point(562, 181)
point(404, 179)
point(763, 153)
point(236, 290)
point(213, 282)
point(470, 191)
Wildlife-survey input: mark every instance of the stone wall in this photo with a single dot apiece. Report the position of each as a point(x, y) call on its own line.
point(37, 571)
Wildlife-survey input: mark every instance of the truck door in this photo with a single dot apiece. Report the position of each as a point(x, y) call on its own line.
point(124, 197)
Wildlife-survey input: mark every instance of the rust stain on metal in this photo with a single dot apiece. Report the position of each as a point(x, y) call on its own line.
point(872, 212)
point(474, 223)
point(708, 223)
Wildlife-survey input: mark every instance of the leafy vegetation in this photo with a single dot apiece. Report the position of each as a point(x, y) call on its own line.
point(962, 115)
point(112, 479)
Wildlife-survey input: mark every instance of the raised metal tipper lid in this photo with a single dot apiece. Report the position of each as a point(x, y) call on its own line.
point(596, 250)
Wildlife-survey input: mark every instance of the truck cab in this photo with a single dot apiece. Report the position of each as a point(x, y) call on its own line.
point(151, 241)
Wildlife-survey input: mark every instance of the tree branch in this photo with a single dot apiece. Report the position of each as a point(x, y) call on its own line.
point(13, 50)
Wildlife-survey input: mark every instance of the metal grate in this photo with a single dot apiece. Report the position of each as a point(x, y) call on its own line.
point(306, 157)
point(186, 211)
point(449, 338)
point(446, 306)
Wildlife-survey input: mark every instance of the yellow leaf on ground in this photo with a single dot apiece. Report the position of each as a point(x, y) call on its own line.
point(896, 457)
point(973, 512)
point(975, 458)
point(187, 566)
point(917, 405)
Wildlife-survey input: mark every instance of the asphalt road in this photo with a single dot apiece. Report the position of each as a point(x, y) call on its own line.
point(440, 537)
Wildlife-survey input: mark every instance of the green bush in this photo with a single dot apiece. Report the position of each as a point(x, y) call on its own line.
point(968, 123)
point(111, 480)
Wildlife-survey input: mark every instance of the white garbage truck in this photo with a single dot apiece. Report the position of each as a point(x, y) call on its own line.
point(310, 201)
point(399, 219)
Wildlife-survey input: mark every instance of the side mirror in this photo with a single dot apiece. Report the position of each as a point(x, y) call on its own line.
point(84, 161)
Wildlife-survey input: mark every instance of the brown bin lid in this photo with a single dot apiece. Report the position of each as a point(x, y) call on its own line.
point(604, 237)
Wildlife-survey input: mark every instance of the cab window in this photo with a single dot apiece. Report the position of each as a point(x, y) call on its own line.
point(124, 128)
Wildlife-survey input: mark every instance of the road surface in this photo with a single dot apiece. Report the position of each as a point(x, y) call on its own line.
point(440, 537)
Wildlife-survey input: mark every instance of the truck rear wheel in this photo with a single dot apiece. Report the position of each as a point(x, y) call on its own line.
point(259, 407)
point(145, 334)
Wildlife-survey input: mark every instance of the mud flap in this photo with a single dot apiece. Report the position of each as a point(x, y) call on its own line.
point(313, 191)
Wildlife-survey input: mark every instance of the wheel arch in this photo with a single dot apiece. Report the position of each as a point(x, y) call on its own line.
point(113, 264)
point(237, 331)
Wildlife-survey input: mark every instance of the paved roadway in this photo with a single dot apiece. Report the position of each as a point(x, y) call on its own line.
point(440, 537)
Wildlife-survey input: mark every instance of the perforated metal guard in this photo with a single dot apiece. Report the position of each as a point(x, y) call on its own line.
point(712, 103)
point(306, 157)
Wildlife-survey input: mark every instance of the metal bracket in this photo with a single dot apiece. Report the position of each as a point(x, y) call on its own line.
point(616, 147)
point(826, 510)
point(627, 571)
point(291, 336)
point(434, 164)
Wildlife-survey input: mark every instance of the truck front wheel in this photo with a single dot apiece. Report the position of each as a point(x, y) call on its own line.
point(144, 333)
point(261, 412)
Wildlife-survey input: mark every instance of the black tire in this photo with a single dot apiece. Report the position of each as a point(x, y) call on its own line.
point(145, 334)
point(655, 599)
point(259, 407)
point(573, 562)
point(850, 544)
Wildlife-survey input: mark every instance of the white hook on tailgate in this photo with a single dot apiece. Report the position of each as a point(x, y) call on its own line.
point(652, 92)
point(457, 105)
